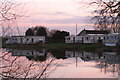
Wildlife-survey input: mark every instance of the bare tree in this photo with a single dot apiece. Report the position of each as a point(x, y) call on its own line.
point(20, 67)
point(107, 17)
point(9, 12)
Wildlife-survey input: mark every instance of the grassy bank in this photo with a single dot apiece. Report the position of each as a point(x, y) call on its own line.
point(64, 46)
point(86, 47)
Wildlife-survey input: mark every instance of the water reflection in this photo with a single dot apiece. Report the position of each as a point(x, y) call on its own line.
point(16, 52)
point(15, 64)
point(109, 61)
point(85, 56)
point(37, 55)
point(86, 62)
point(31, 54)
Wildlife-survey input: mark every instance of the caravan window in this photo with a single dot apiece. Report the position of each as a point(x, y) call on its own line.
point(87, 38)
point(112, 37)
point(73, 39)
point(116, 37)
point(103, 37)
point(99, 37)
point(107, 37)
point(27, 39)
point(68, 38)
point(32, 40)
point(82, 38)
point(41, 41)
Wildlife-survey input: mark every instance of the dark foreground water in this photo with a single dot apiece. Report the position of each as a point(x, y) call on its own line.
point(59, 64)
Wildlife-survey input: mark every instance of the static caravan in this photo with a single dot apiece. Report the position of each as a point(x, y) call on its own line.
point(112, 39)
point(87, 36)
point(25, 39)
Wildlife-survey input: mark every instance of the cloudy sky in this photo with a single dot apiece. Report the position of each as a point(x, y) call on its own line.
point(57, 14)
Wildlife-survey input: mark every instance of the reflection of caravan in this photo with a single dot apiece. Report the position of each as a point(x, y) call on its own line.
point(86, 56)
point(71, 54)
point(112, 58)
point(28, 53)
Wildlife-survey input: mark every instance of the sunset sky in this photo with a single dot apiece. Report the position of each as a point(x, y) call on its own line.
point(57, 14)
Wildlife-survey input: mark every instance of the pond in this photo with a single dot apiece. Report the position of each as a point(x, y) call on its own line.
point(44, 63)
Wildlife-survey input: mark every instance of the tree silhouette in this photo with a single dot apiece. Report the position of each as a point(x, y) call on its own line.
point(41, 31)
point(59, 36)
point(29, 32)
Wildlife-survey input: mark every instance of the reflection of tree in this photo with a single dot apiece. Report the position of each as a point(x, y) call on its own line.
point(20, 67)
point(106, 67)
point(109, 63)
point(36, 58)
point(60, 54)
point(118, 69)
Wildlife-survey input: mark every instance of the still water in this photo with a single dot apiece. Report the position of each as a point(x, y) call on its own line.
point(59, 64)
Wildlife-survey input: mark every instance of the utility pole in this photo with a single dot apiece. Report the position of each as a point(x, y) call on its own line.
point(75, 54)
point(76, 29)
point(76, 60)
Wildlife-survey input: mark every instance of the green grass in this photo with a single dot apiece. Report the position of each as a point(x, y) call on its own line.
point(87, 47)
point(64, 46)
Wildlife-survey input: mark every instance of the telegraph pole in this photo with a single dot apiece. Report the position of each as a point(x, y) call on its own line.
point(76, 54)
point(76, 29)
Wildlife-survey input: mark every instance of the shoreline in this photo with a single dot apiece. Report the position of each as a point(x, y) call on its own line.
point(64, 46)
